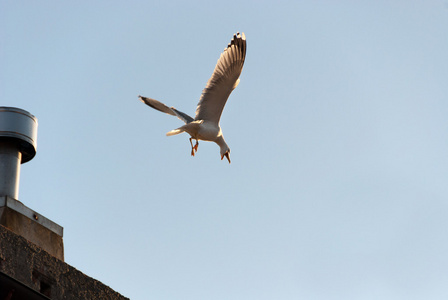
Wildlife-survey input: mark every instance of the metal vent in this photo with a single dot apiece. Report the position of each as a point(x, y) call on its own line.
point(18, 141)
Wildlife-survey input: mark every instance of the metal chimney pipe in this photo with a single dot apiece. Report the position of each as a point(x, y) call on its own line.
point(18, 141)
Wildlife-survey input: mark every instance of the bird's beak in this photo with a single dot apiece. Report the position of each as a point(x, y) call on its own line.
point(227, 156)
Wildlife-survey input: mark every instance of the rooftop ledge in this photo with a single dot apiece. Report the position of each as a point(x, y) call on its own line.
point(19, 207)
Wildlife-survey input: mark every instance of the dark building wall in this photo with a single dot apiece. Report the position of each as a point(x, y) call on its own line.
point(35, 268)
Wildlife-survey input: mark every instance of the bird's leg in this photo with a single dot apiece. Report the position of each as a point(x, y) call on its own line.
point(196, 146)
point(192, 148)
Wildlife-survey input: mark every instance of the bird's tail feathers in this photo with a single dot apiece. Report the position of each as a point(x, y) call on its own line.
point(175, 131)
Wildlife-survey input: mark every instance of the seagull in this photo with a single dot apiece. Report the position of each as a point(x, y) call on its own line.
point(225, 78)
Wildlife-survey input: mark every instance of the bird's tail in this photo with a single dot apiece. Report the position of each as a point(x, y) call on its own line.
point(175, 131)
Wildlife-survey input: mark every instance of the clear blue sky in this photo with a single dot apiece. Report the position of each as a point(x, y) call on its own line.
point(338, 187)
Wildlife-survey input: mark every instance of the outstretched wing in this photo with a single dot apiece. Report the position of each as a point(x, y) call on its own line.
point(224, 79)
point(168, 110)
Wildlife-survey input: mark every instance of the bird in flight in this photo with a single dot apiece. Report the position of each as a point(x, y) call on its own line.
point(225, 78)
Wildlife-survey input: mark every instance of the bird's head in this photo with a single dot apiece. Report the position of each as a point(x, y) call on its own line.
point(223, 148)
point(225, 152)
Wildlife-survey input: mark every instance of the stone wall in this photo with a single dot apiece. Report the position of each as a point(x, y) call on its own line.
point(35, 268)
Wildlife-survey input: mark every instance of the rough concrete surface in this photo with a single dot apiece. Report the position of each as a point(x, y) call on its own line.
point(37, 269)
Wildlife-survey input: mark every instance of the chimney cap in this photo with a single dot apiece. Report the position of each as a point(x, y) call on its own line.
point(19, 127)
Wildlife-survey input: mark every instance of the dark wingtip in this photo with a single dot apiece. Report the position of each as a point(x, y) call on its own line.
point(142, 99)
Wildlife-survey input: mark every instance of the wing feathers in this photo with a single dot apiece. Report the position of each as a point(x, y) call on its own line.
point(223, 80)
point(168, 110)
